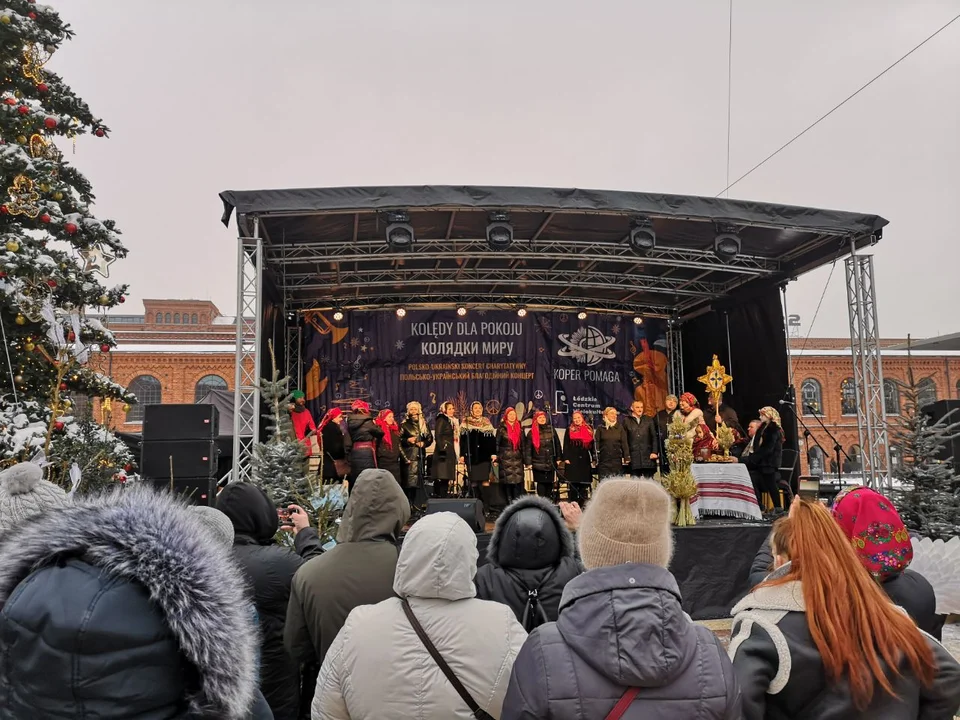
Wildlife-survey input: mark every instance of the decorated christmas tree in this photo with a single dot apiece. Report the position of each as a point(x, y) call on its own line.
point(52, 250)
point(928, 496)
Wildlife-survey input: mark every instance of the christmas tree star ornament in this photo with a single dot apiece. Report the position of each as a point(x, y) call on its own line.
point(23, 198)
point(96, 259)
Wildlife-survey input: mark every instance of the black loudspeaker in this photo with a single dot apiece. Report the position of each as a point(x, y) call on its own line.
point(180, 422)
point(189, 458)
point(949, 409)
point(470, 509)
point(196, 491)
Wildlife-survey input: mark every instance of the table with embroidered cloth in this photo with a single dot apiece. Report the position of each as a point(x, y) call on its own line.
point(724, 489)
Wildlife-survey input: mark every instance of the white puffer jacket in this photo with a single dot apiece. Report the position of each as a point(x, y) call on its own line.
point(377, 668)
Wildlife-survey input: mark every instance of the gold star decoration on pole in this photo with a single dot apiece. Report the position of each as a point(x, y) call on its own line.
point(96, 259)
point(716, 380)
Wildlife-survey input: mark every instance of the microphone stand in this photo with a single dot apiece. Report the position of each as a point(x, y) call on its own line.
point(837, 447)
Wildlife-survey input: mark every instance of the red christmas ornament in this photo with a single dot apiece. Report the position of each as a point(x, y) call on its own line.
point(63, 386)
point(32, 15)
point(128, 467)
point(71, 336)
point(52, 283)
point(2, 274)
point(23, 109)
point(71, 228)
point(59, 426)
point(43, 87)
point(99, 132)
point(104, 348)
point(45, 218)
point(11, 101)
point(122, 299)
point(50, 123)
point(4, 210)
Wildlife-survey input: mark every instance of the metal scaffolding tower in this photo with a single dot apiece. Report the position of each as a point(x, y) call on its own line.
point(675, 357)
point(246, 416)
point(867, 369)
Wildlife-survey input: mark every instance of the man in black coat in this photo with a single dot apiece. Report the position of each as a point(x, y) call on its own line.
point(642, 436)
point(269, 569)
point(530, 550)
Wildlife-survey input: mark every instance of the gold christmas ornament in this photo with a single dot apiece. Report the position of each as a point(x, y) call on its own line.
point(23, 198)
point(104, 300)
point(22, 140)
point(18, 379)
point(5, 19)
point(33, 61)
point(58, 196)
point(126, 407)
point(13, 246)
point(20, 319)
point(29, 347)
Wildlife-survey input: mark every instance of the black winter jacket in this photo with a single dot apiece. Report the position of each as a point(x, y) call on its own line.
point(269, 569)
point(509, 459)
point(613, 450)
point(782, 676)
point(530, 549)
point(544, 459)
point(642, 438)
point(333, 448)
point(767, 449)
point(123, 607)
point(622, 627)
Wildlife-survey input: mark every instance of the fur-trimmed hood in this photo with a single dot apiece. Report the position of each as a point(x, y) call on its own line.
point(530, 534)
point(126, 542)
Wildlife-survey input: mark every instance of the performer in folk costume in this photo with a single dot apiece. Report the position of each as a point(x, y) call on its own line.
point(389, 455)
point(364, 434)
point(303, 425)
point(642, 436)
point(764, 460)
point(447, 451)
point(509, 457)
point(664, 418)
point(697, 430)
point(333, 451)
point(613, 447)
point(541, 452)
point(415, 438)
point(578, 459)
point(478, 443)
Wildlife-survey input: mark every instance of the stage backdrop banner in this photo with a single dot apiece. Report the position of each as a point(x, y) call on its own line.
point(550, 361)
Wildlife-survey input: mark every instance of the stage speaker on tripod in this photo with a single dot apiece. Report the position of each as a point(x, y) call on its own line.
point(470, 509)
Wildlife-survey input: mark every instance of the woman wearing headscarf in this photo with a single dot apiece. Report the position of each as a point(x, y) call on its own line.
point(873, 526)
point(446, 454)
point(703, 440)
point(763, 462)
point(578, 459)
point(478, 441)
point(333, 453)
point(613, 445)
point(415, 438)
point(541, 452)
point(389, 456)
point(509, 457)
point(364, 434)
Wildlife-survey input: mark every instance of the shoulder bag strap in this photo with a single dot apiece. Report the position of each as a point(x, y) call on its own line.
point(621, 707)
point(477, 711)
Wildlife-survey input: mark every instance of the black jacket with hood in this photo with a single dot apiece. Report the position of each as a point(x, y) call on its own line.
point(269, 569)
point(530, 549)
point(123, 606)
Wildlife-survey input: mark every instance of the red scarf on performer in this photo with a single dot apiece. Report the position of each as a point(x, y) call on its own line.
point(535, 429)
point(582, 434)
point(514, 432)
point(388, 429)
point(332, 416)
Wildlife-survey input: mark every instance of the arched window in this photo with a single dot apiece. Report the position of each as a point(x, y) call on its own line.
point(926, 392)
point(148, 391)
point(159, 318)
point(815, 461)
point(206, 384)
point(811, 397)
point(891, 397)
point(193, 319)
point(848, 397)
point(166, 318)
point(176, 318)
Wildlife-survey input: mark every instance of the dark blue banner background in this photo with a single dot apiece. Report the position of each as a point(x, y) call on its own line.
point(549, 361)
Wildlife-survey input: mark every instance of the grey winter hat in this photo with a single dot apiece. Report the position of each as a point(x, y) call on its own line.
point(216, 522)
point(24, 493)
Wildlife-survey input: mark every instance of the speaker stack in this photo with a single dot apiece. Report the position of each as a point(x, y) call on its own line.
point(949, 409)
point(178, 450)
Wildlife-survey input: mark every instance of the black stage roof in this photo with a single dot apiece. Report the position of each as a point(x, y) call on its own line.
point(326, 247)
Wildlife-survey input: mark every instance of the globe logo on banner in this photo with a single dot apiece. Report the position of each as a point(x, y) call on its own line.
point(587, 346)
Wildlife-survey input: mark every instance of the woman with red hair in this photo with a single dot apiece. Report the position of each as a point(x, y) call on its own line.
point(819, 639)
point(509, 457)
point(389, 455)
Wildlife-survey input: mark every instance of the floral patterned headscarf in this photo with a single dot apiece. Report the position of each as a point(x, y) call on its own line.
point(875, 529)
point(690, 399)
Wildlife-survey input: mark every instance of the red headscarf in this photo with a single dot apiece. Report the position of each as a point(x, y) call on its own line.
point(873, 525)
point(333, 415)
point(387, 428)
point(514, 432)
point(690, 399)
point(360, 406)
point(582, 434)
point(535, 429)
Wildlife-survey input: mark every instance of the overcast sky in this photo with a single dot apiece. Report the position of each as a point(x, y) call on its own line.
point(209, 95)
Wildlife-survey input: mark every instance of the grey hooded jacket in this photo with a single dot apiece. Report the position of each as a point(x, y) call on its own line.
point(622, 627)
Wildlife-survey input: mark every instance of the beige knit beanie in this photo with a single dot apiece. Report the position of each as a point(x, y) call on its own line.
point(627, 521)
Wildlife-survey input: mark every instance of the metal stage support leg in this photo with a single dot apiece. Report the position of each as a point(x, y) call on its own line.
point(294, 360)
point(246, 416)
point(867, 370)
point(675, 352)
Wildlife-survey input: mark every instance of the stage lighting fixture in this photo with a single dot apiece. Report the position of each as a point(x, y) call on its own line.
point(637, 320)
point(337, 315)
point(461, 310)
point(642, 237)
point(399, 233)
point(521, 312)
point(726, 246)
point(499, 231)
point(401, 312)
point(582, 315)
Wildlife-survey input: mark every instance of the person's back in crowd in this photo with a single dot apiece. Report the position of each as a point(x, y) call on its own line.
point(378, 667)
point(530, 559)
point(122, 606)
point(357, 571)
point(819, 639)
point(269, 569)
point(622, 635)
